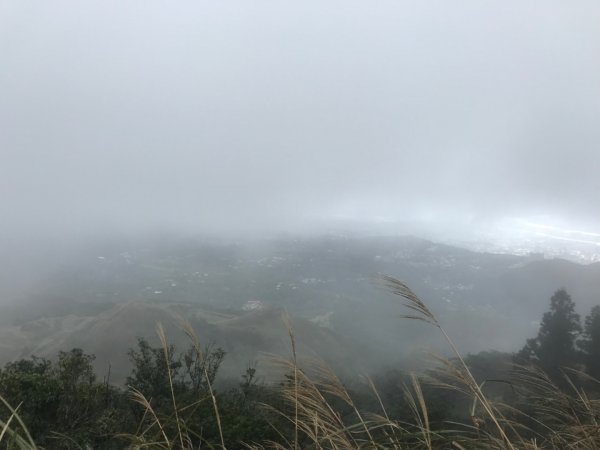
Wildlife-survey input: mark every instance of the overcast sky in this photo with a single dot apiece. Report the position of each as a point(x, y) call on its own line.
point(202, 114)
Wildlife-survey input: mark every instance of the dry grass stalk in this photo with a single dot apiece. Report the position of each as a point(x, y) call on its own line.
point(6, 425)
point(163, 340)
point(420, 413)
point(183, 437)
point(26, 443)
point(191, 334)
point(560, 420)
point(424, 314)
point(286, 319)
point(141, 399)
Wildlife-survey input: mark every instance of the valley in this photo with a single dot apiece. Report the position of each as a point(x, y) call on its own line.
point(235, 292)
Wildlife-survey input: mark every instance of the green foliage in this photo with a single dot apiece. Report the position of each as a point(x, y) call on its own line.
point(190, 371)
point(151, 370)
point(590, 343)
point(33, 384)
point(472, 402)
point(554, 348)
point(200, 368)
point(61, 402)
point(175, 397)
point(65, 407)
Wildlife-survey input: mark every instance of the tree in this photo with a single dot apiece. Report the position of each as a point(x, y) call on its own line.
point(32, 384)
point(189, 372)
point(554, 346)
point(152, 371)
point(590, 342)
point(177, 386)
point(75, 368)
point(63, 405)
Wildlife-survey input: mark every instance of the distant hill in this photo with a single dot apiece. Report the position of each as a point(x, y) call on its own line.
point(112, 292)
point(246, 337)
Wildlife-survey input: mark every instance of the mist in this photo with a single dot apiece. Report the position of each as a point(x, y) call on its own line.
point(187, 187)
point(266, 116)
point(131, 128)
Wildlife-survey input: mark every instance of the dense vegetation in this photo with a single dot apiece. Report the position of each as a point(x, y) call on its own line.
point(543, 397)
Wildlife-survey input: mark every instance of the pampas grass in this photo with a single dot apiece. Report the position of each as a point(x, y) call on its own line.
point(15, 437)
point(147, 436)
point(317, 411)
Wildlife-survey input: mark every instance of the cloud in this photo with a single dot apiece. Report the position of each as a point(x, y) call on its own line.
point(268, 114)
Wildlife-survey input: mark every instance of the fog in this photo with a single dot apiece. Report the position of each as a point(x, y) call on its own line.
point(234, 163)
point(234, 116)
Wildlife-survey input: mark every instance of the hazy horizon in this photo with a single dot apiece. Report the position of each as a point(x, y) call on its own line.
point(227, 117)
point(466, 123)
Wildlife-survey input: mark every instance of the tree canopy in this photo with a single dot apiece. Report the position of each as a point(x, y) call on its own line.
point(555, 345)
point(590, 342)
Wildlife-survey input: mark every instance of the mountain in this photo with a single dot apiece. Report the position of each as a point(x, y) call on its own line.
point(234, 292)
point(246, 337)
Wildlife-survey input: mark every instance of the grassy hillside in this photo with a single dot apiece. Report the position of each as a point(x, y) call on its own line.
point(172, 400)
point(114, 291)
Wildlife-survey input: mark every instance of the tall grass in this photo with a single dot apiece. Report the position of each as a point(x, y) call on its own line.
point(324, 416)
point(156, 434)
point(317, 411)
point(13, 431)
